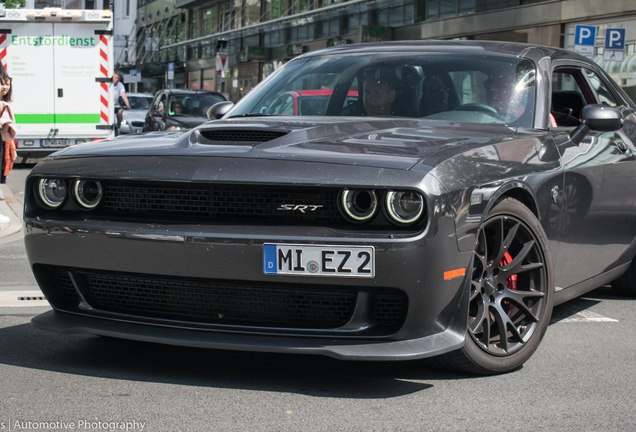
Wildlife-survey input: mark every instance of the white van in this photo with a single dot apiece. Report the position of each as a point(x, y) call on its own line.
point(61, 64)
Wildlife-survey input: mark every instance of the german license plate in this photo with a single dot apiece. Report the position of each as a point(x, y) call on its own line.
point(138, 130)
point(55, 143)
point(306, 260)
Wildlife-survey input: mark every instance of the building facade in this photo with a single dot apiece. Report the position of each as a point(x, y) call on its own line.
point(258, 36)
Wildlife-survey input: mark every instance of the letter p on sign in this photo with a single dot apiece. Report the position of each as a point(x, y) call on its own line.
point(614, 39)
point(584, 35)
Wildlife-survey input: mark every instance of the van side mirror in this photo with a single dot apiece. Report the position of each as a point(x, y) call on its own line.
point(599, 118)
point(219, 109)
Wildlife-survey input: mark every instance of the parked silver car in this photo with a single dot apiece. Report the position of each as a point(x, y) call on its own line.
point(133, 118)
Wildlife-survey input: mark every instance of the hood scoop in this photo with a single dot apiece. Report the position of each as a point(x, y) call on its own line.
point(236, 136)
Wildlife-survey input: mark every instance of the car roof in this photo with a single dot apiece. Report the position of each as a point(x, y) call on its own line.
point(190, 92)
point(456, 47)
point(146, 95)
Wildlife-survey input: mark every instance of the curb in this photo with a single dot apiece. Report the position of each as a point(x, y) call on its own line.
point(9, 206)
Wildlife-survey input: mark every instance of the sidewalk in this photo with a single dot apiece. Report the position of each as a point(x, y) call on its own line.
point(11, 207)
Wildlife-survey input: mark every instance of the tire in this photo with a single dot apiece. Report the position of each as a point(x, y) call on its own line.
point(626, 284)
point(512, 291)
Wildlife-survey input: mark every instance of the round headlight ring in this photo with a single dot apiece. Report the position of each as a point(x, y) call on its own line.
point(52, 192)
point(88, 193)
point(404, 207)
point(360, 205)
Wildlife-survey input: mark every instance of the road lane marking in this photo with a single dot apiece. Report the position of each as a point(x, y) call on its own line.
point(583, 315)
point(30, 298)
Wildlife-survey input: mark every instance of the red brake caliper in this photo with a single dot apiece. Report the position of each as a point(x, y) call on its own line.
point(511, 282)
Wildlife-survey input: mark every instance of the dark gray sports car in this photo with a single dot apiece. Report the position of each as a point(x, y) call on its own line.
point(437, 200)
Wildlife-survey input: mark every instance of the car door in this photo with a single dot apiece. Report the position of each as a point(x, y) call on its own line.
point(597, 205)
point(156, 113)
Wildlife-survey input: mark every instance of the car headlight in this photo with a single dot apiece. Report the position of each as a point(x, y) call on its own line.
point(174, 128)
point(52, 192)
point(404, 207)
point(88, 193)
point(359, 205)
point(123, 121)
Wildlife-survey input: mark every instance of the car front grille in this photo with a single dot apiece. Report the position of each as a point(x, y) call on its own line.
point(220, 202)
point(253, 304)
point(137, 123)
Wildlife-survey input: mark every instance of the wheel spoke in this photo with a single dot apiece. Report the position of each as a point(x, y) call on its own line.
point(516, 266)
point(476, 290)
point(483, 257)
point(499, 249)
point(517, 297)
point(501, 319)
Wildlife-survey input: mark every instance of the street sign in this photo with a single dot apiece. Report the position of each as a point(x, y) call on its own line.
point(221, 63)
point(584, 37)
point(615, 39)
point(133, 77)
point(170, 71)
point(614, 44)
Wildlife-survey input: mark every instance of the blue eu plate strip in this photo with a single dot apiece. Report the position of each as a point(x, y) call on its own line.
point(269, 258)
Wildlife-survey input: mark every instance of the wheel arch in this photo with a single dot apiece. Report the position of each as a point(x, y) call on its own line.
point(519, 191)
point(482, 199)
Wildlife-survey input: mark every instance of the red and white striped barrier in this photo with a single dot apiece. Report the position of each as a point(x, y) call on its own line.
point(103, 71)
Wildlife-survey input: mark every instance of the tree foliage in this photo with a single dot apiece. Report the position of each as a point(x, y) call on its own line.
point(14, 4)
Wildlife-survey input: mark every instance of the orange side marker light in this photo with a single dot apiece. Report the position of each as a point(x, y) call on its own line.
point(452, 274)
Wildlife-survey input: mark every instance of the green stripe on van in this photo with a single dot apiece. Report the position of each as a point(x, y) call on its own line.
point(56, 118)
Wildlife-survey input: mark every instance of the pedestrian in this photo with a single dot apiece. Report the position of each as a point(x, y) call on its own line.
point(7, 130)
point(119, 91)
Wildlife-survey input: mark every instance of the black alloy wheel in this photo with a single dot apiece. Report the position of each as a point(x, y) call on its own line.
point(511, 294)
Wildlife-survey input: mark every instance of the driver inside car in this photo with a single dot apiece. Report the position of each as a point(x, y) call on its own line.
point(379, 92)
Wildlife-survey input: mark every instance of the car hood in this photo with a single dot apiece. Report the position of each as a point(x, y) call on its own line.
point(374, 142)
point(186, 122)
point(134, 115)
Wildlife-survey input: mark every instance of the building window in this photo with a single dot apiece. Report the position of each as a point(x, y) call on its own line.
point(195, 23)
point(127, 10)
point(228, 20)
point(442, 8)
point(466, 6)
point(209, 21)
point(90, 4)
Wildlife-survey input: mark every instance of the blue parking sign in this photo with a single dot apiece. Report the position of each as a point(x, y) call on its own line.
point(614, 39)
point(584, 35)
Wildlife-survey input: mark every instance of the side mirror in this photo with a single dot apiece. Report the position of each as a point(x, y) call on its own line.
point(219, 109)
point(602, 118)
point(599, 118)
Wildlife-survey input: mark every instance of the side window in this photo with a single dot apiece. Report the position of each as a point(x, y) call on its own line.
point(568, 98)
point(158, 104)
point(605, 96)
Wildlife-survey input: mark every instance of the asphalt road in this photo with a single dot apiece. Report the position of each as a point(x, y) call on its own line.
point(580, 379)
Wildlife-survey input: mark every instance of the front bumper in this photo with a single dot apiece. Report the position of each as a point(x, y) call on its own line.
point(435, 321)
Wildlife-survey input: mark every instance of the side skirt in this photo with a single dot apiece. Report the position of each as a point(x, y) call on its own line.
point(581, 288)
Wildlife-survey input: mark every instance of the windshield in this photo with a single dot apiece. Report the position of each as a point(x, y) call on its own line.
point(466, 88)
point(191, 105)
point(139, 102)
